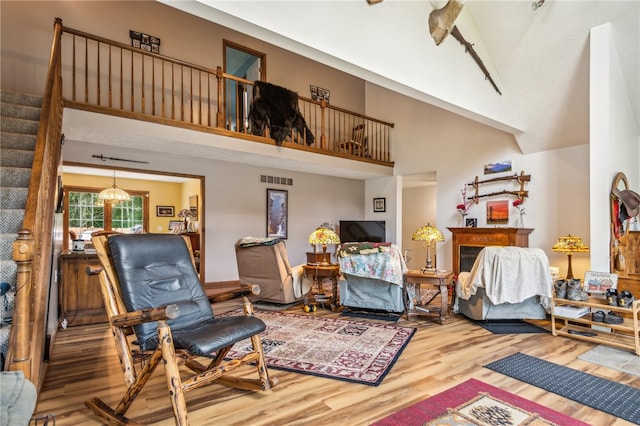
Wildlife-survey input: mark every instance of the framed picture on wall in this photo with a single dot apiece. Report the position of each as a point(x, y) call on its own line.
point(498, 212)
point(277, 213)
point(379, 205)
point(165, 211)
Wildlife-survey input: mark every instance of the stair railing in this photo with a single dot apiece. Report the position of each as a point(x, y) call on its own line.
point(33, 248)
point(114, 78)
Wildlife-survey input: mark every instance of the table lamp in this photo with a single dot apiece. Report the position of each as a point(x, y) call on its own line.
point(429, 234)
point(323, 235)
point(570, 244)
point(186, 214)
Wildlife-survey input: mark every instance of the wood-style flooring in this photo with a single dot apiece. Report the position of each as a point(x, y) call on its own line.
point(84, 364)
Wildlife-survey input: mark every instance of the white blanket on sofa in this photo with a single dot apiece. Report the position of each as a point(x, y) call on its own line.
point(508, 275)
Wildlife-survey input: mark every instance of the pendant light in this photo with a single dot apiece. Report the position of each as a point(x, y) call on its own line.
point(114, 194)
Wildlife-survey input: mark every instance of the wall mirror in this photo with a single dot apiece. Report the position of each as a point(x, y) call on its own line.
point(193, 206)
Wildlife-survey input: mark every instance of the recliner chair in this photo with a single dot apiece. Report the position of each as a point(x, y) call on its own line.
point(264, 262)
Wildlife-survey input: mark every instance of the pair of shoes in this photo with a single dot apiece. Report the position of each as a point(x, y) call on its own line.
point(597, 316)
point(575, 292)
point(612, 297)
point(561, 289)
point(625, 299)
point(612, 318)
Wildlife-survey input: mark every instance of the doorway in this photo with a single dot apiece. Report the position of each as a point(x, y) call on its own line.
point(246, 65)
point(166, 196)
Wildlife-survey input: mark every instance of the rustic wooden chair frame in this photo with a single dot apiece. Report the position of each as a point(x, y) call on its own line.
point(122, 323)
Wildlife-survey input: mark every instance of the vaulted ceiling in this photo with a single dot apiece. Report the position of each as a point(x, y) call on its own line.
point(538, 58)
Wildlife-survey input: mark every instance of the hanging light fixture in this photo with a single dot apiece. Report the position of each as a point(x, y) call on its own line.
point(114, 194)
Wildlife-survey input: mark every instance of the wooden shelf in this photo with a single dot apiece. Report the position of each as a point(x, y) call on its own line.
point(623, 336)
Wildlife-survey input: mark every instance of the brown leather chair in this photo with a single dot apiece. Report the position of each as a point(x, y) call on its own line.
point(264, 262)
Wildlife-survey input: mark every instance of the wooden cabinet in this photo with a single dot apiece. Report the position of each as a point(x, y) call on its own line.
point(468, 242)
point(80, 297)
point(624, 336)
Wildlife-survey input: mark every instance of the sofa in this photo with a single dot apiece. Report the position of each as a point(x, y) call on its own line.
point(264, 262)
point(505, 283)
point(372, 276)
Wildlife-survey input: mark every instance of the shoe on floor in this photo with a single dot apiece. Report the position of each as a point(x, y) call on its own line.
point(597, 316)
point(612, 318)
point(625, 299)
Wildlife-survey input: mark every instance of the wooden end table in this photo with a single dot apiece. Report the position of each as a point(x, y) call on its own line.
point(414, 280)
point(317, 272)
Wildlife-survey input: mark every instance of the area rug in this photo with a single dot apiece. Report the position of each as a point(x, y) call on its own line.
point(509, 326)
point(477, 403)
point(616, 359)
point(353, 351)
point(605, 395)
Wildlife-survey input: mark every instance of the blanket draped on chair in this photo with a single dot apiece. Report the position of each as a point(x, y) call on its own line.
point(508, 275)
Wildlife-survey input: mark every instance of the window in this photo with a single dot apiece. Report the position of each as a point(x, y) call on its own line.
point(84, 214)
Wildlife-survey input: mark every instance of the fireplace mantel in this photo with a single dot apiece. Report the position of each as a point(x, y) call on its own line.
point(472, 240)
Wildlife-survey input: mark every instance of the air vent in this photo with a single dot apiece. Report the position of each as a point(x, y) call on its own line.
point(278, 180)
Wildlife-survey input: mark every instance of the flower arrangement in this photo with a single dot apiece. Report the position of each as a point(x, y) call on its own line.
point(463, 208)
point(519, 205)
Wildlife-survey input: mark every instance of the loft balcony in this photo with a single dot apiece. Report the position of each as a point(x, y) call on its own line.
point(108, 77)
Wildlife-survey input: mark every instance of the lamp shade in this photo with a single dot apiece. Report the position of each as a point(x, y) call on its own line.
point(427, 233)
point(185, 213)
point(570, 244)
point(114, 194)
point(324, 236)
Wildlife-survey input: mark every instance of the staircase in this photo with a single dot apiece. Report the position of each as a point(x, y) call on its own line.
point(19, 120)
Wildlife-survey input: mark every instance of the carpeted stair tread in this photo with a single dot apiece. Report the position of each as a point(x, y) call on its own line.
point(13, 198)
point(16, 158)
point(20, 98)
point(10, 140)
point(20, 111)
point(8, 272)
point(11, 220)
point(19, 125)
point(15, 177)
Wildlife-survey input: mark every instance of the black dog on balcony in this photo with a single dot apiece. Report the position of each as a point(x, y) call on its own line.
point(277, 108)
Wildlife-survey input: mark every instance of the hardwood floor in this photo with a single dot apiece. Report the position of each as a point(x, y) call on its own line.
point(84, 364)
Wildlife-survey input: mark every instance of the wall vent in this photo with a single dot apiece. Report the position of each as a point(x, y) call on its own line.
point(278, 180)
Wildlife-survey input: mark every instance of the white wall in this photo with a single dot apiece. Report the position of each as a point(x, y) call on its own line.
point(614, 135)
point(428, 139)
point(235, 201)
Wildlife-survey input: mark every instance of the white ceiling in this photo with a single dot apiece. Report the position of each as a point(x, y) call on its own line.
point(539, 59)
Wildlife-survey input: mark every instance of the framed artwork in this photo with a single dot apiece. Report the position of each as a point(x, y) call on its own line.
point(193, 206)
point(599, 282)
point(379, 205)
point(498, 212)
point(502, 166)
point(277, 213)
point(471, 222)
point(176, 225)
point(165, 211)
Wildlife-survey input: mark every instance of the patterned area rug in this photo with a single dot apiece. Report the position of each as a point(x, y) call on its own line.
point(477, 403)
point(353, 351)
point(605, 395)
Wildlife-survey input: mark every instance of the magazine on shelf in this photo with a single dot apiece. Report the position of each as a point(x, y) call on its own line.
point(571, 311)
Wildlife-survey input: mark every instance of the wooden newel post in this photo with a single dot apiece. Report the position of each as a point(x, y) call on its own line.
point(23, 256)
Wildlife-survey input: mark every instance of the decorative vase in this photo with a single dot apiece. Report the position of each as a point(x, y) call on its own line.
point(520, 223)
point(463, 222)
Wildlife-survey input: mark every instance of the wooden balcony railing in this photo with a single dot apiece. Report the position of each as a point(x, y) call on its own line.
point(114, 78)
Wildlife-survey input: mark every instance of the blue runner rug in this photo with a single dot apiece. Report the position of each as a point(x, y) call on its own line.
point(595, 392)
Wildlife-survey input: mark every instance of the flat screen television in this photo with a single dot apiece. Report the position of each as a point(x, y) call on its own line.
point(360, 231)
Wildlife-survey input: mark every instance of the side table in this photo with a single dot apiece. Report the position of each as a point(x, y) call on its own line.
point(317, 272)
point(414, 280)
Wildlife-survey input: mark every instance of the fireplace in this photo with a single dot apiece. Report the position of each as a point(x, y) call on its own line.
point(468, 242)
